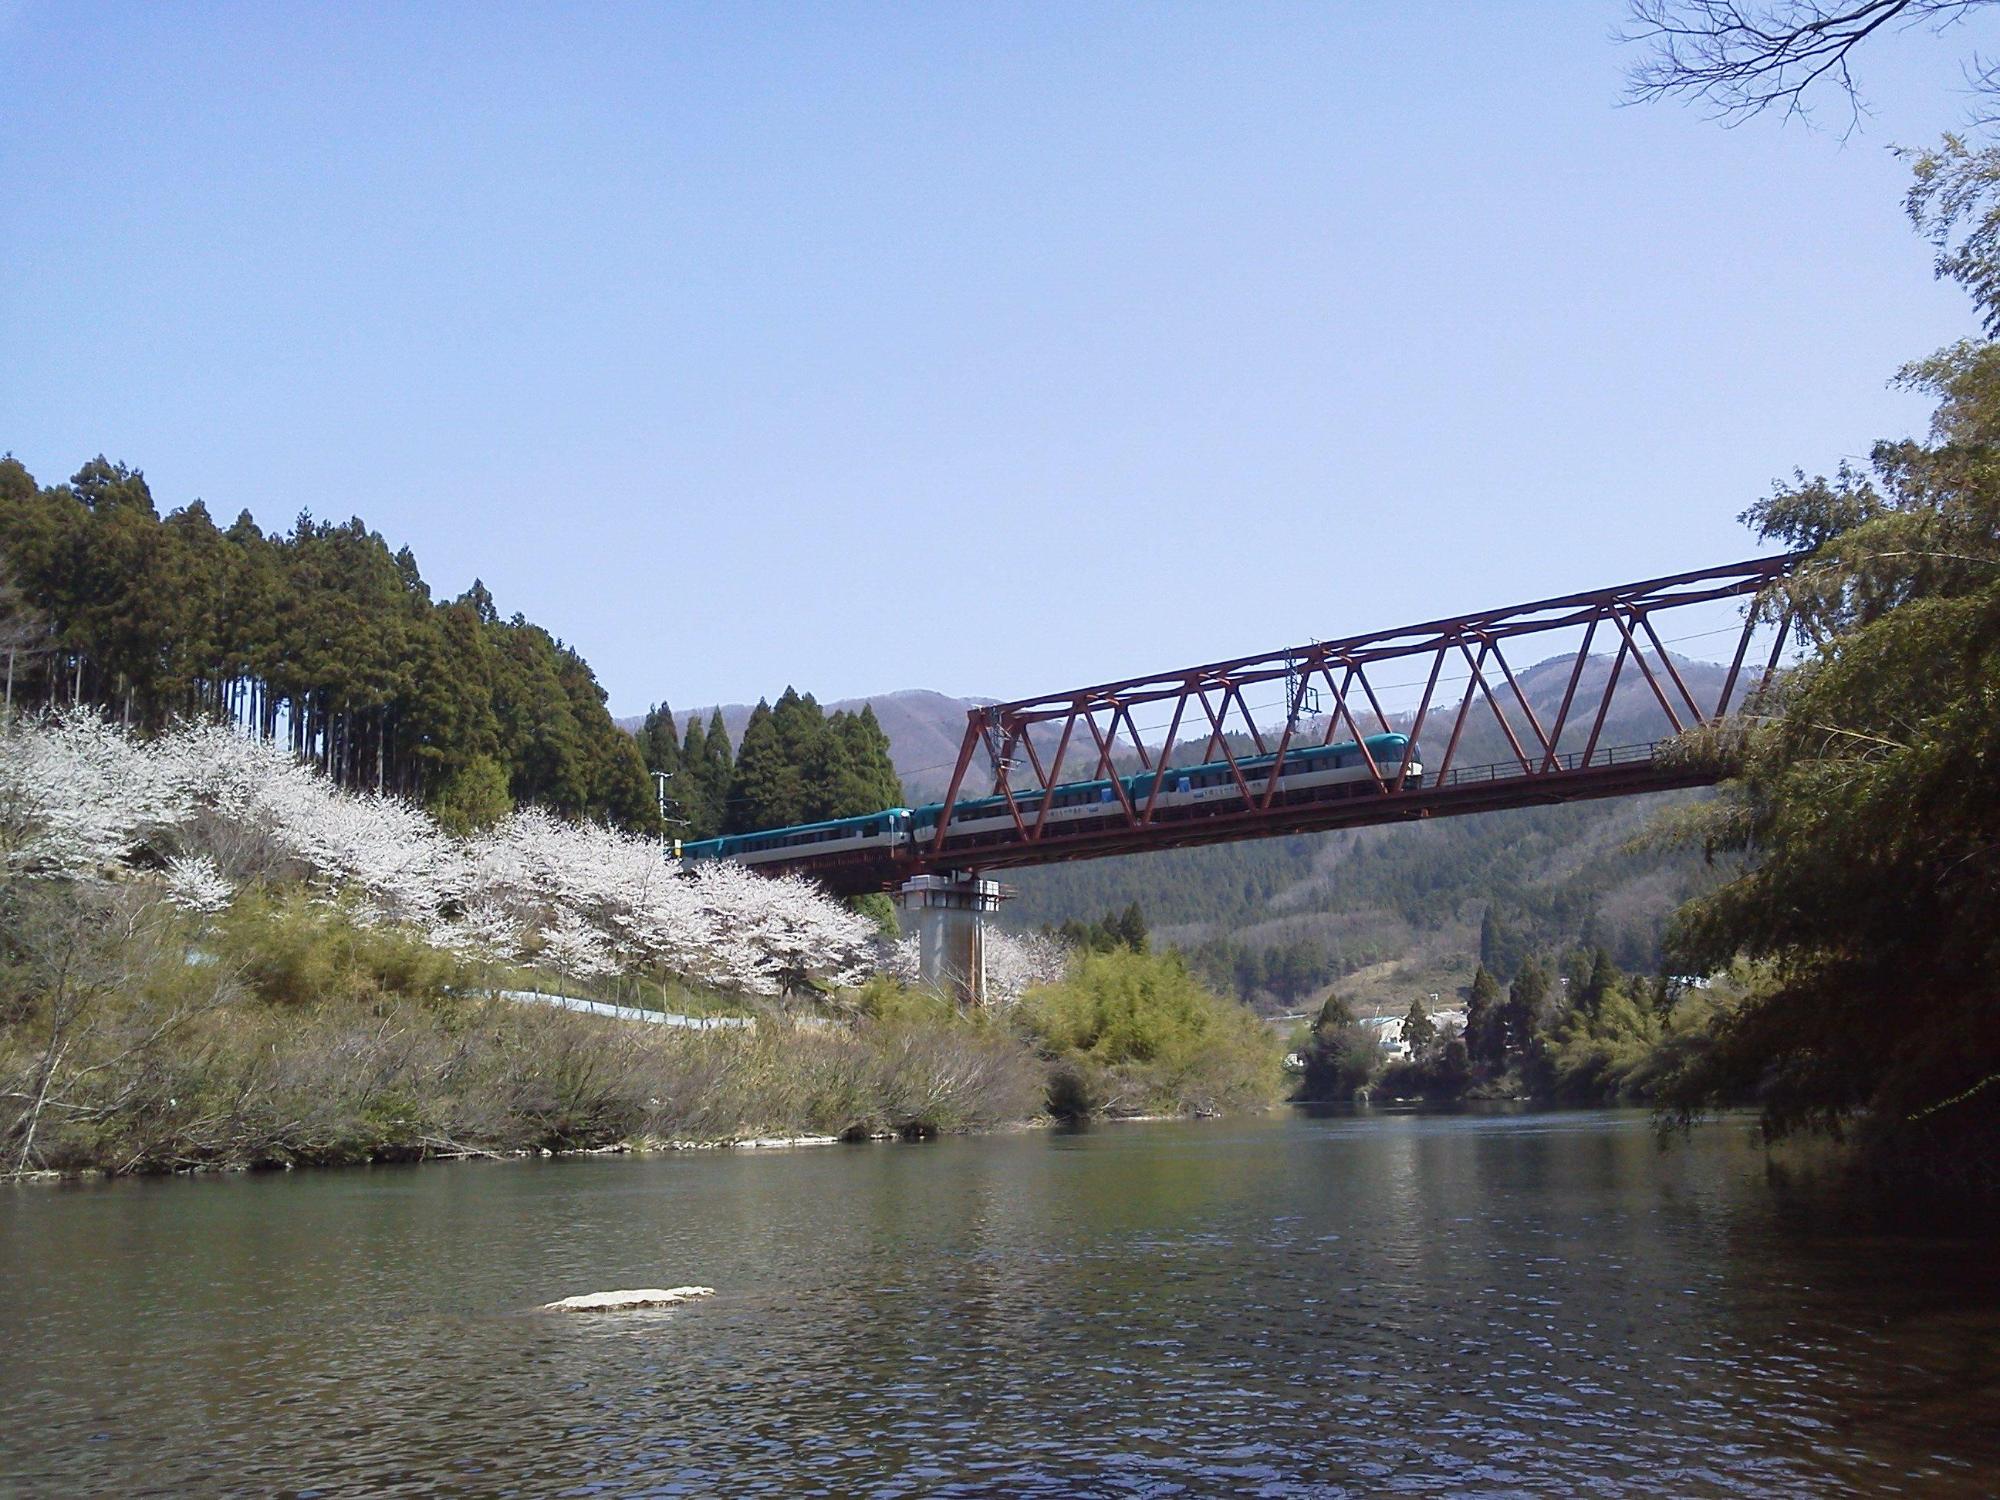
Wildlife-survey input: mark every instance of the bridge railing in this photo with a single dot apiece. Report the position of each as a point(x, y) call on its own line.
point(1643, 753)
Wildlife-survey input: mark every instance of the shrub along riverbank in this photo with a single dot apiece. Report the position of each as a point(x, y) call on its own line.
point(138, 1037)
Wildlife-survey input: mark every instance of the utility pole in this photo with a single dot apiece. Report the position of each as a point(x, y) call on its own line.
point(660, 780)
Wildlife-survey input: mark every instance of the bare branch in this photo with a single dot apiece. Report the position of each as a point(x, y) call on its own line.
point(1741, 58)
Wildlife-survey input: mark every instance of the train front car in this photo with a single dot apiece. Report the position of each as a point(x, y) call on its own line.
point(1395, 756)
point(1413, 753)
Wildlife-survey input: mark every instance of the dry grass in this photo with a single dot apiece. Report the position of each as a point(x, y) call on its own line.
point(249, 1084)
point(135, 1039)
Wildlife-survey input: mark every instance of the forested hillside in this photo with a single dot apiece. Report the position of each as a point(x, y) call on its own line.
point(321, 637)
point(1402, 907)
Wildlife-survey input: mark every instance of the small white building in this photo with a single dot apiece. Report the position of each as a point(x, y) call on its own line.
point(1389, 1029)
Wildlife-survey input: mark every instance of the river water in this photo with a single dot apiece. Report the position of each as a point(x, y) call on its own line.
point(1528, 1304)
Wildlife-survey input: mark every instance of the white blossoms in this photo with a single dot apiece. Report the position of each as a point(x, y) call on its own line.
point(195, 884)
point(1018, 962)
point(77, 796)
point(78, 799)
point(574, 948)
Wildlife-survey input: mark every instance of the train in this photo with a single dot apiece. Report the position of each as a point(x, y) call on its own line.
point(1310, 773)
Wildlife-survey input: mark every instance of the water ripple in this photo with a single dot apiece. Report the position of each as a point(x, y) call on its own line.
point(1402, 1306)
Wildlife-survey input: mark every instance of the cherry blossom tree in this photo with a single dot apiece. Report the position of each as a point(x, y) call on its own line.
point(213, 811)
point(76, 796)
point(575, 949)
point(1018, 962)
point(194, 884)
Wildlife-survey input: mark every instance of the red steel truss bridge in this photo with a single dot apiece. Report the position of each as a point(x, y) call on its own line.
point(1482, 741)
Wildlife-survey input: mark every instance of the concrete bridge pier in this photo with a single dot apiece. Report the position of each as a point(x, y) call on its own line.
point(949, 914)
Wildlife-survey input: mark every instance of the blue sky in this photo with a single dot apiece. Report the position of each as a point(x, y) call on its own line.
point(984, 348)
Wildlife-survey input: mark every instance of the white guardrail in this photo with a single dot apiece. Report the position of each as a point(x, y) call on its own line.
point(630, 1012)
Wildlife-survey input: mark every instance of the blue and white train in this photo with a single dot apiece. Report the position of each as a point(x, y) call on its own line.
point(1309, 774)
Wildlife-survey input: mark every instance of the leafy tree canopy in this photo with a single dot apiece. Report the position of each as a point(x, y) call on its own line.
point(1862, 827)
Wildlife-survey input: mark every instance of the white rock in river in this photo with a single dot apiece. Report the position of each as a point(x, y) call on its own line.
point(645, 1296)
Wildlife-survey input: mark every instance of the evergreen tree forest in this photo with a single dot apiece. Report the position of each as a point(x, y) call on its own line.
point(796, 764)
point(1112, 931)
point(321, 637)
point(1286, 969)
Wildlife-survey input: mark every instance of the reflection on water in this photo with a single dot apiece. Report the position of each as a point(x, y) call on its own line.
point(1532, 1303)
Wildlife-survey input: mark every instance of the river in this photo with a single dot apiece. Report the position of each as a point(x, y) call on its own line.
point(1425, 1304)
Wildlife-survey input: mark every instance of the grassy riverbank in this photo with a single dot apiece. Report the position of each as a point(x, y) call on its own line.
point(136, 1037)
point(247, 1085)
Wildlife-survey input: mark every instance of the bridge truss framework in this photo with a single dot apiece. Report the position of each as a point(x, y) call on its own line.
point(1333, 693)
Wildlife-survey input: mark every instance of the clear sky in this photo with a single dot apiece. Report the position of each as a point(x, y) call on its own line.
point(984, 348)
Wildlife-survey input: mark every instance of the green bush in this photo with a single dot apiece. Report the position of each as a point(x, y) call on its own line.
point(1597, 1059)
point(1136, 1033)
point(290, 949)
point(1442, 1072)
point(1339, 1053)
point(880, 909)
point(883, 998)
